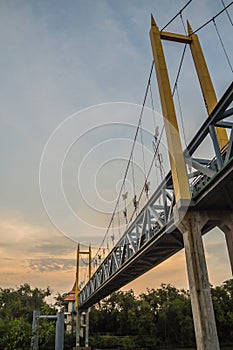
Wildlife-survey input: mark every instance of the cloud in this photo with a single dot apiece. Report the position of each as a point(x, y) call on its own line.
point(37, 255)
point(51, 264)
point(26, 238)
point(27, 250)
point(55, 264)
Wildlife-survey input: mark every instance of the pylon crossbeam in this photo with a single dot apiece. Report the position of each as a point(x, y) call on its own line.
point(175, 37)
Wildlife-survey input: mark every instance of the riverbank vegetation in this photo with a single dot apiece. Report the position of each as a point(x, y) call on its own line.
point(158, 318)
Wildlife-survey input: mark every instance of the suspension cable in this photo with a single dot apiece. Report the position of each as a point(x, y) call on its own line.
point(148, 174)
point(161, 133)
point(143, 153)
point(211, 19)
point(128, 164)
point(142, 109)
point(182, 20)
point(178, 13)
point(118, 220)
point(181, 116)
point(113, 234)
point(153, 108)
point(228, 15)
point(222, 44)
point(135, 203)
point(179, 69)
point(133, 176)
point(139, 123)
point(156, 134)
point(84, 261)
point(176, 85)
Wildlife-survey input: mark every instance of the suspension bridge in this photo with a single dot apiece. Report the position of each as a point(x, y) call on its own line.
point(195, 196)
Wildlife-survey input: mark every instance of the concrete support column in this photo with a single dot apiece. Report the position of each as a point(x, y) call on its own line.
point(227, 228)
point(202, 307)
point(224, 220)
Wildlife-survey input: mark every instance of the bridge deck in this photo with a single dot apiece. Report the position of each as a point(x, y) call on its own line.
point(214, 194)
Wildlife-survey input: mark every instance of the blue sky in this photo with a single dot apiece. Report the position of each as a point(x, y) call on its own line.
point(58, 58)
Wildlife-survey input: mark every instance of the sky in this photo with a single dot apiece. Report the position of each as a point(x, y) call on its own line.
point(73, 76)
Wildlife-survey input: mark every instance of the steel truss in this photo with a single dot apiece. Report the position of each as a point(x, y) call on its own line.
point(153, 236)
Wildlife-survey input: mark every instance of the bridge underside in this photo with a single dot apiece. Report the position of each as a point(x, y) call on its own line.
point(218, 193)
point(157, 250)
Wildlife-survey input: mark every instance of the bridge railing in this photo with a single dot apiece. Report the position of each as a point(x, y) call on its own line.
point(157, 213)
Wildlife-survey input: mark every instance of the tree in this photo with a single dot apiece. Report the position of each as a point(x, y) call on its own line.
point(157, 316)
point(21, 302)
point(172, 308)
point(17, 335)
point(127, 312)
point(60, 300)
point(16, 311)
point(222, 297)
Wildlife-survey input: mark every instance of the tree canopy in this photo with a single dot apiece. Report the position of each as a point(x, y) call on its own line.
point(158, 317)
point(16, 312)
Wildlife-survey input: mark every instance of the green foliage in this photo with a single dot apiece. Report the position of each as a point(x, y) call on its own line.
point(46, 335)
point(60, 300)
point(17, 335)
point(174, 316)
point(16, 311)
point(222, 297)
point(69, 341)
point(21, 302)
point(122, 342)
point(161, 317)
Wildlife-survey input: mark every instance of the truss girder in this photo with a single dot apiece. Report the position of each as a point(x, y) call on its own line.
point(152, 237)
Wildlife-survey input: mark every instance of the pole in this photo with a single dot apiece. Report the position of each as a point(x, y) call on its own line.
point(87, 312)
point(35, 327)
point(87, 329)
point(77, 312)
point(89, 262)
point(59, 339)
point(77, 277)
